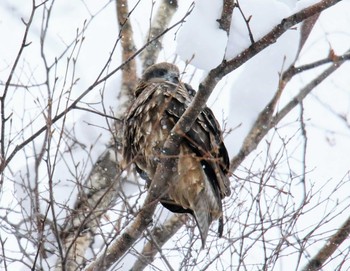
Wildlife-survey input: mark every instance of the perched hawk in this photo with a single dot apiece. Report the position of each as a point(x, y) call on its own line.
point(200, 180)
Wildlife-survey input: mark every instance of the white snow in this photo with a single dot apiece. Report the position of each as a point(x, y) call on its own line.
point(261, 21)
point(258, 78)
point(304, 4)
point(203, 49)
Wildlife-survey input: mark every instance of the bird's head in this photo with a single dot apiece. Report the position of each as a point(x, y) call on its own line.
point(161, 72)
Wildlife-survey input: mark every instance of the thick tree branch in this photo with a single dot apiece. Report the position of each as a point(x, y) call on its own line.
point(329, 248)
point(129, 75)
point(157, 189)
point(133, 232)
point(95, 196)
point(165, 12)
point(158, 237)
point(216, 74)
point(226, 16)
point(142, 220)
point(171, 146)
point(228, 66)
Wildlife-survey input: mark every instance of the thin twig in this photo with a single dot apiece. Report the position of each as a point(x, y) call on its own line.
point(87, 91)
point(246, 21)
point(306, 29)
point(3, 250)
point(291, 71)
point(304, 92)
point(119, 121)
point(4, 118)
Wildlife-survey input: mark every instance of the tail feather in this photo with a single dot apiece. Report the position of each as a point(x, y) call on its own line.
point(203, 218)
point(206, 208)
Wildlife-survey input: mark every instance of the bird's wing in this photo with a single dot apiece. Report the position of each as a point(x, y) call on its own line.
point(204, 138)
point(137, 111)
point(214, 127)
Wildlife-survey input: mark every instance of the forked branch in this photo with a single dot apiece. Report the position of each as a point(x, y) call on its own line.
point(134, 231)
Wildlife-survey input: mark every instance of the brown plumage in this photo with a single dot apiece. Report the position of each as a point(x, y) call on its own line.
point(200, 182)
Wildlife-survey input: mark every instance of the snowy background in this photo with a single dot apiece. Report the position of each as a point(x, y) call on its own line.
point(236, 101)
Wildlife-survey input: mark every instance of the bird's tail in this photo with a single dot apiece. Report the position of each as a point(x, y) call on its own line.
point(203, 218)
point(206, 208)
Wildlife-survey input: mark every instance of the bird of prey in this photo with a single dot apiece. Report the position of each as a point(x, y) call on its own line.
point(201, 179)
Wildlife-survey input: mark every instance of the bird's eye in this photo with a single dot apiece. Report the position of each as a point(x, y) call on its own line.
point(161, 73)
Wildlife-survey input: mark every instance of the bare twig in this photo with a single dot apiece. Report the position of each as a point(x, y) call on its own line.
point(98, 81)
point(117, 120)
point(100, 188)
point(98, 192)
point(39, 155)
point(305, 91)
point(41, 243)
point(226, 67)
point(4, 118)
point(246, 21)
point(156, 190)
point(292, 70)
point(3, 252)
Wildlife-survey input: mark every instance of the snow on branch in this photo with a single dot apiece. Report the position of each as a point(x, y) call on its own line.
point(227, 66)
